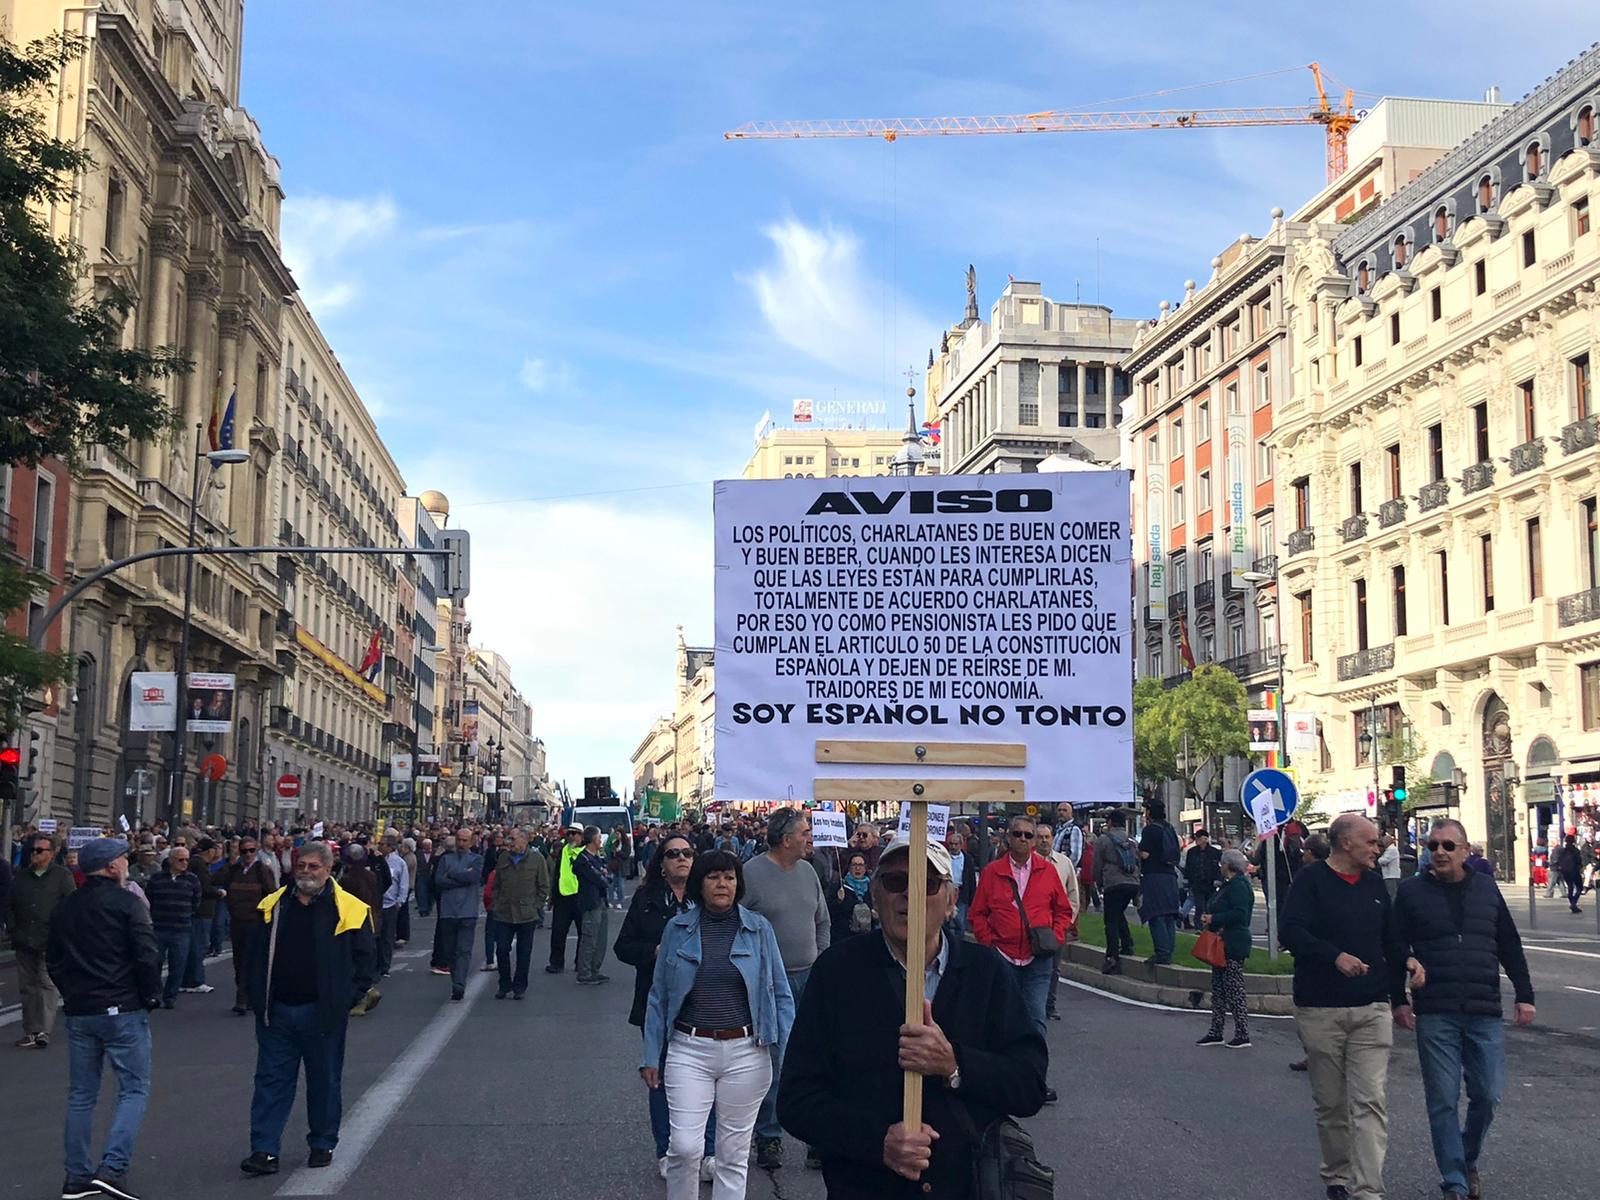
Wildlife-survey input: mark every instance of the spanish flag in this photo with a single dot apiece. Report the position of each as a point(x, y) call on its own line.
point(1184, 649)
point(220, 428)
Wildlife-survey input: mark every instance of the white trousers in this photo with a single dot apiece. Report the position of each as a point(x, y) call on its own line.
point(733, 1075)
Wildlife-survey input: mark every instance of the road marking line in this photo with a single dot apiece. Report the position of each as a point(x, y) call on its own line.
point(382, 1101)
point(1571, 987)
point(1559, 950)
point(1197, 1012)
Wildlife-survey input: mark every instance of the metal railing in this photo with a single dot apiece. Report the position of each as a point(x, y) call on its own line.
point(1366, 662)
point(1354, 528)
point(1580, 435)
point(1528, 456)
point(1299, 541)
point(1579, 607)
point(1433, 495)
point(1391, 512)
point(1477, 477)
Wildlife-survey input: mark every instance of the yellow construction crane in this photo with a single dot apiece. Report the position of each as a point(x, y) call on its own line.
point(1336, 121)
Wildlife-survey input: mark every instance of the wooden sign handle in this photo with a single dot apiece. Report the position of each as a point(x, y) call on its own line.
point(916, 947)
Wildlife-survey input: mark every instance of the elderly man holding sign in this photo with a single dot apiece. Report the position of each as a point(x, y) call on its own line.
point(979, 1054)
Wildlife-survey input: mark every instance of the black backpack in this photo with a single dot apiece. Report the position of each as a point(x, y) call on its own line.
point(1005, 1167)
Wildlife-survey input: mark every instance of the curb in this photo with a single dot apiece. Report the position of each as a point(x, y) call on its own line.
point(1175, 987)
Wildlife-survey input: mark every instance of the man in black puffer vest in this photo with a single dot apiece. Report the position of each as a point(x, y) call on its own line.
point(1456, 923)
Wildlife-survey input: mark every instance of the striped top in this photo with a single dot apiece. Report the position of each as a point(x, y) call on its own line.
point(718, 999)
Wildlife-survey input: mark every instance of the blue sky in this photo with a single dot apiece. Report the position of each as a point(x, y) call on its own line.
point(555, 284)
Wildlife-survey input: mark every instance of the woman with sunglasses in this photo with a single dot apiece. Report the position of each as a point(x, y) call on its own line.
point(660, 896)
point(716, 1021)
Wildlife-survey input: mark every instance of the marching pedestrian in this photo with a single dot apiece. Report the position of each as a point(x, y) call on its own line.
point(718, 1014)
point(394, 898)
point(315, 960)
point(174, 894)
point(1022, 911)
point(981, 1054)
point(1477, 862)
point(1569, 866)
point(521, 887)
point(592, 909)
point(1228, 913)
point(424, 877)
point(40, 885)
point(458, 882)
point(661, 895)
point(1158, 881)
point(493, 843)
point(1350, 969)
point(204, 855)
point(563, 904)
point(786, 891)
point(408, 852)
point(1045, 844)
point(102, 954)
point(1116, 875)
point(850, 907)
point(1202, 871)
point(247, 882)
point(1456, 923)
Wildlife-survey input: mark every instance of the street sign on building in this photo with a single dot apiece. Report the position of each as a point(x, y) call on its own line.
point(289, 787)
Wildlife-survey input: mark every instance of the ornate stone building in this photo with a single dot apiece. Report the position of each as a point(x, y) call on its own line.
point(1438, 469)
point(181, 208)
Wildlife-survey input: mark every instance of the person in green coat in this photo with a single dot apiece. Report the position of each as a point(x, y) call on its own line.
point(521, 887)
point(1229, 915)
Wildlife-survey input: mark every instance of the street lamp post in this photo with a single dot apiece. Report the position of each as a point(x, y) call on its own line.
point(1369, 742)
point(180, 733)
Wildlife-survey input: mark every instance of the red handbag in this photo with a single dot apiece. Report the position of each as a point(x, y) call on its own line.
point(1208, 949)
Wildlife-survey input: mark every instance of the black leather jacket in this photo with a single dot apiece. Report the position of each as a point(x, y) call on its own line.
point(102, 952)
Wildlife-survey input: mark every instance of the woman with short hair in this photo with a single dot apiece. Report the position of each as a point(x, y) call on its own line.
point(720, 1010)
point(1229, 915)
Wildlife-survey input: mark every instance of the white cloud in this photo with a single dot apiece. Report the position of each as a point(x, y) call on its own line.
point(320, 234)
point(818, 297)
point(542, 375)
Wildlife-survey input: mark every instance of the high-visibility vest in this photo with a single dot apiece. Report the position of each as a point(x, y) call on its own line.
point(567, 878)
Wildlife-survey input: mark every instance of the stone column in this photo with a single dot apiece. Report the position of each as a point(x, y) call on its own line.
point(1083, 376)
point(227, 376)
point(202, 380)
point(1107, 397)
point(166, 244)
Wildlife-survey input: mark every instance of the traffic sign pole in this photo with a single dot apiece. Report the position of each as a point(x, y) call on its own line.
point(1272, 896)
point(1270, 797)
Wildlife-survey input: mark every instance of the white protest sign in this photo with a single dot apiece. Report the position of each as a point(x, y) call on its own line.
point(47, 824)
point(938, 821)
point(122, 819)
point(81, 835)
point(828, 829)
point(1264, 814)
point(946, 608)
point(316, 830)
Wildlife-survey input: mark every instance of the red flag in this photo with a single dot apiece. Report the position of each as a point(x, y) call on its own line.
point(374, 657)
point(1184, 649)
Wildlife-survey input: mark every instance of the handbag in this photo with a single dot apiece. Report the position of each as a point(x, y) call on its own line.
point(1005, 1168)
point(1042, 939)
point(1208, 948)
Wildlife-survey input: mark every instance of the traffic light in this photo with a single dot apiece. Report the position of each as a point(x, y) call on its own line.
point(1398, 783)
point(458, 566)
point(10, 756)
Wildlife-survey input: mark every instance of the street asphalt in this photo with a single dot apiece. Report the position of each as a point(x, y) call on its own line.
point(541, 1098)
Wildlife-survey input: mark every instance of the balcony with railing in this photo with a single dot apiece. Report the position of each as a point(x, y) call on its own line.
point(1256, 662)
point(1354, 528)
point(1580, 435)
point(1433, 495)
point(1578, 607)
point(1299, 541)
point(1528, 456)
point(1391, 512)
point(1266, 565)
point(8, 532)
point(1205, 594)
point(1366, 662)
point(1477, 477)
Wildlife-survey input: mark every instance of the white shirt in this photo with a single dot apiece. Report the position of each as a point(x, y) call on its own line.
point(1389, 862)
point(397, 892)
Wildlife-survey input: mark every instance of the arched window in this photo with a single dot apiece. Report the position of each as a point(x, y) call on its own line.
point(1533, 159)
point(1485, 193)
point(1400, 250)
point(1585, 125)
point(1441, 223)
point(1363, 276)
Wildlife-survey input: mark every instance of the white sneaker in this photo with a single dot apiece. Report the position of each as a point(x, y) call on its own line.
point(707, 1166)
point(204, 989)
point(661, 1165)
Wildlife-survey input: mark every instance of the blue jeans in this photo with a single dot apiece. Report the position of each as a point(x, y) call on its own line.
point(1034, 980)
point(174, 946)
point(616, 890)
point(194, 974)
point(456, 947)
point(293, 1036)
point(1164, 934)
point(125, 1040)
point(961, 918)
point(219, 930)
point(1450, 1046)
point(660, 1124)
point(767, 1118)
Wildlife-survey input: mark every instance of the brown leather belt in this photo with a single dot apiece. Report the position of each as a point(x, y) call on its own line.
point(716, 1035)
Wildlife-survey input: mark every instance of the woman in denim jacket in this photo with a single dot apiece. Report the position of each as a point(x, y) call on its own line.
point(720, 1011)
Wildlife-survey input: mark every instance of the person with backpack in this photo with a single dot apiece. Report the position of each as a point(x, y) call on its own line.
point(1116, 874)
point(1158, 889)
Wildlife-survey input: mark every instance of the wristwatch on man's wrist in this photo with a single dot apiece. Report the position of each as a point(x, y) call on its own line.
point(953, 1080)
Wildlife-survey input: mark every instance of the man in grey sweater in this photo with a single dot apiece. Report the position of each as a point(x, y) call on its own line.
point(784, 888)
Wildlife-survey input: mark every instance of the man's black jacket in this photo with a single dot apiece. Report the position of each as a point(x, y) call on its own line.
point(1202, 867)
point(102, 952)
point(347, 952)
point(841, 1085)
point(1461, 934)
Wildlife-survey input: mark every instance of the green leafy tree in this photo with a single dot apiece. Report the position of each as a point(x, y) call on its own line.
point(1154, 758)
point(66, 379)
point(1204, 719)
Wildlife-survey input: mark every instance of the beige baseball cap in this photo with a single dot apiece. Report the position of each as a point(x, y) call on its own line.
point(938, 856)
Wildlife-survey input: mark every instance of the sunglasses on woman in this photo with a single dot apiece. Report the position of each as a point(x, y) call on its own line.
point(677, 853)
point(898, 884)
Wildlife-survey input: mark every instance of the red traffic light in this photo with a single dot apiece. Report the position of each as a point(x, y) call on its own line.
point(10, 757)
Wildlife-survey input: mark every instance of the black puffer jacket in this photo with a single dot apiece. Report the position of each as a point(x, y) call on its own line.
point(640, 937)
point(1462, 933)
point(102, 952)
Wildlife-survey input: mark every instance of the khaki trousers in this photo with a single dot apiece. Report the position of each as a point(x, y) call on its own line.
point(39, 996)
point(1348, 1053)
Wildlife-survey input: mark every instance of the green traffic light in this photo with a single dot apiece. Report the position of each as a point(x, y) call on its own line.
point(1400, 795)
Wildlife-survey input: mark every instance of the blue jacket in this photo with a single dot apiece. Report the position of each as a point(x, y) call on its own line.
point(458, 878)
point(754, 953)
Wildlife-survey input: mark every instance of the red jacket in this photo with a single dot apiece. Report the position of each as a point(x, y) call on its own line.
point(994, 916)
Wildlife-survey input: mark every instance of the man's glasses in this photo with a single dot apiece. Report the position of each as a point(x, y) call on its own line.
point(678, 853)
point(40, 850)
point(897, 884)
point(1436, 844)
point(1024, 834)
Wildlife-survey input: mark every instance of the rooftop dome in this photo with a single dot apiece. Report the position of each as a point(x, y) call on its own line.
point(435, 503)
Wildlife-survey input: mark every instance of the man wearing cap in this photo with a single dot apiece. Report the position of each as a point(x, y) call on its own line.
point(102, 954)
point(41, 884)
point(977, 1048)
point(564, 904)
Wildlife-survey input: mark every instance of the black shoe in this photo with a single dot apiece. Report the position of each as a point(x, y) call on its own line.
point(769, 1153)
point(813, 1158)
point(501, 994)
point(1113, 966)
point(1050, 1095)
point(1210, 1039)
point(1239, 1041)
point(319, 1158)
point(457, 993)
point(1053, 1015)
point(239, 1010)
point(114, 1183)
point(552, 969)
point(518, 995)
point(78, 1189)
point(1303, 1065)
point(169, 1004)
point(260, 1163)
point(1338, 1191)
